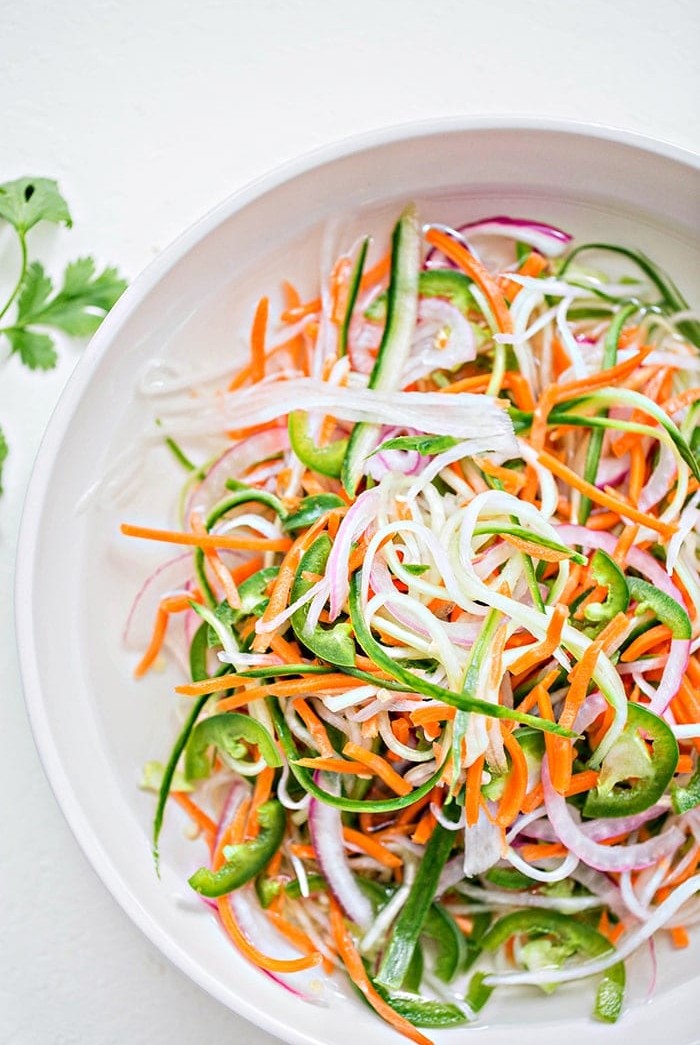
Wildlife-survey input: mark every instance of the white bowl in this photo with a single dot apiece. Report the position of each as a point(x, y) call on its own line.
point(93, 725)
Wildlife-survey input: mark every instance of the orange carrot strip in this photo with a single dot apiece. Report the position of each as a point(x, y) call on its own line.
point(212, 540)
point(422, 716)
point(679, 936)
point(580, 783)
point(559, 750)
point(315, 727)
point(425, 828)
point(544, 649)
point(263, 961)
point(257, 340)
point(582, 672)
point(516, 781)
point(465, 260)
point(373, 848)
point(304, 852)
point(377, 272)
point(261, 793)
point(541, 851)
point(357, 973)
point(204, 822)
point(473, 790)
point(602, 497)
point(653, 637)
point(379, 766)
point(691, 395)
point(219, 568)
point(603, 520)
point(624, 543)
point(295, 935)
point(335, 765)
point(559, 393)
point(286, 688)
point(173, 604)
point(288, 651)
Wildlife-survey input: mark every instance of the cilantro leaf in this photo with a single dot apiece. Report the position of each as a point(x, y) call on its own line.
point(27, 201)
point(35, 350)
point(82, 302)
point(4, 451)
point(35, 289)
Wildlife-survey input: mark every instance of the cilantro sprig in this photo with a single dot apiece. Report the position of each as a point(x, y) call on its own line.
point(35, 308)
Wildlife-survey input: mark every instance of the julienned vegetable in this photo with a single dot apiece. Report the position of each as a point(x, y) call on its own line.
point(443, 696)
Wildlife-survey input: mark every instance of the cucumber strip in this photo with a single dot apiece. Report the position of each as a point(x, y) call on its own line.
point(402, 310)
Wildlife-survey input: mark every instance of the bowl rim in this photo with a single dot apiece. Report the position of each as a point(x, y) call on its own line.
point(64, 792)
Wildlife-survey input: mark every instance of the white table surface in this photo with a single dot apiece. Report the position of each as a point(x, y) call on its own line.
point(149, 112)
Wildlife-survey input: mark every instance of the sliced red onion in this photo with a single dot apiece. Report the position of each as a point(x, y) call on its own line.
point(407, 462)
point(452, 874)
point(602, 887)
point(627, 946)
point(326, 828)
point(436, 316)
point(612, 471)
point(593, 706)
point(513, 898)
point(482, 846)
point(171, 576)
point(602, 857)
point(238, 792)
point(355, 522)
point(313, 985)
point(659, 482)
point(232, 464)
point(547, 239)
point(635, 667)
point(555, 874)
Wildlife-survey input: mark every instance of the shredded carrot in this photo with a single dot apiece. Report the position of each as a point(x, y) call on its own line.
point(285, 688)
point(581, 674)
point(218, 568)
point(559, 393)
point(212, 540)
point(606, 499)
point(315, 727)
point(473, 790)
point(581, 782)
point(263, 961)
point(542, 851)
point(516, 781)
point(425, 828)
point(257, 341)
point(261, 793)
point(357, 973)
point(373, 848)
point(624, 543)
point(288, 651)
point(203, 822)
point(653, 637)
point(465, 260)
point(691, 395)
point(544, 649)
point(679, 936)
point(379, 766)
point(334, 765)
point(172, 604)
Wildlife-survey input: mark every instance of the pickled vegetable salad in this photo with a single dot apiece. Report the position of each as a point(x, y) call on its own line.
point(442, 623)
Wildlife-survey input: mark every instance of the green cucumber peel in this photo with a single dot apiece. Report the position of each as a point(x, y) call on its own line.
point(353, 290)
point(395, 346)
